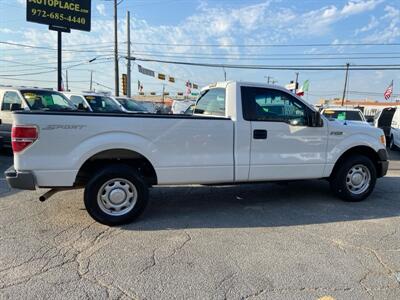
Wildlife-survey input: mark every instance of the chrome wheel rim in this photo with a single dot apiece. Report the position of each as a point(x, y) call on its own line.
point(358, 179)
point(117, 197)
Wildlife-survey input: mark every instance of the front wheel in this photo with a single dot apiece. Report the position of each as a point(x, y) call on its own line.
point(354, 180)
point(116, 195)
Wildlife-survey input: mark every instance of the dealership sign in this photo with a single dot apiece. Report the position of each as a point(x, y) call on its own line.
point(69, 14)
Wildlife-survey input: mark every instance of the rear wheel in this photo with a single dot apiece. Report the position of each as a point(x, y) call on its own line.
point(116, 195)
point(355, 178)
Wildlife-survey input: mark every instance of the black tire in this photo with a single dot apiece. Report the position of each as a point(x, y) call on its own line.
point(338, 180)
point(392, 146)
point(109, 173)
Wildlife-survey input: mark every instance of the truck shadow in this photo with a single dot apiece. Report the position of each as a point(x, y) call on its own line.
point(394, 157)
point(6, 161)
point(262, 205)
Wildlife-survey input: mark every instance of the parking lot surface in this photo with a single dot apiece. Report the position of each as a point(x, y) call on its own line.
point(264, 241)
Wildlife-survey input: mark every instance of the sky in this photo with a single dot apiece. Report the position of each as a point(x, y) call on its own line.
point(231, 32)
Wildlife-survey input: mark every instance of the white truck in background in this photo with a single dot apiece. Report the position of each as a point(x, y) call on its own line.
point(239, 133)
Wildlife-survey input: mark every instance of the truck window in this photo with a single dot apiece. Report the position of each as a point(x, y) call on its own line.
point(269, 105)
point(102, 104)
point(211, 102)
point(8, 99)
point(343, 115)
point(77, 100)
point(47, 100)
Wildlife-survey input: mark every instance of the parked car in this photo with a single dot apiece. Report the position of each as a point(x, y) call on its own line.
point(383, 120)
point(231, 138)
point(150, 106)
point(395, 131)
point(180, 106)
point(345, 114)
point(22, 98)
point(93, 102)
point(1, 140)
point(190, 110)
point(131, 105)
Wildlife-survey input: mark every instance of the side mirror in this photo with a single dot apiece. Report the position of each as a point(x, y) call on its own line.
point(15, 107)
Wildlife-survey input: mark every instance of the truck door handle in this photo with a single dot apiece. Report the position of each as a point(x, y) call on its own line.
point(260, 134)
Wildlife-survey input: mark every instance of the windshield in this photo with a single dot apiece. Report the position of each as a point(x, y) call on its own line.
point(47, 100)
point(131, 105)
point(102, 104)
point(343, 115)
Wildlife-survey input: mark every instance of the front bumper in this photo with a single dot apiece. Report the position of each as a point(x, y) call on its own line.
point(383, 163)
point(23, 180)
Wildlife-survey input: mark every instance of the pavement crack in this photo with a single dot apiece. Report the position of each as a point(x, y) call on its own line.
point(187, 239)
point(153, 262)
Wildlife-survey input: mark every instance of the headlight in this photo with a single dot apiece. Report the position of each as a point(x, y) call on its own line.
point(383, 140)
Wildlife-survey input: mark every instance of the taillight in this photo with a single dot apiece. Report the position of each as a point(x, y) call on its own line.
point(23, 136)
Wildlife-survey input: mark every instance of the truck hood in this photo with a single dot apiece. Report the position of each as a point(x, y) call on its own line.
point(353, 127)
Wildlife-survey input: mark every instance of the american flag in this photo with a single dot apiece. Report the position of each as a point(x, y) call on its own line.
point(389, 91)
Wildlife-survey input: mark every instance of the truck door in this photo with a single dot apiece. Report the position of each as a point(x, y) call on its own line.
point(284, 145)
point(9, 98)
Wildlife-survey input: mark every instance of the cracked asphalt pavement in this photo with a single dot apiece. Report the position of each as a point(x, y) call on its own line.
point(264, 241)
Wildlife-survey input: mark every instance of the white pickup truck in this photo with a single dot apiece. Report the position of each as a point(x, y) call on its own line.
point(239, 133)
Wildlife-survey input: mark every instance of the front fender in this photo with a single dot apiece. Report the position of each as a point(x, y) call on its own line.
point(337, 147)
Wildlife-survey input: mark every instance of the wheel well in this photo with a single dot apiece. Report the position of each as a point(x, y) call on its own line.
point(131, 158)
point(359, 150)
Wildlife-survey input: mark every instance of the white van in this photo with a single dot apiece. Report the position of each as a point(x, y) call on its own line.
point(395, 131)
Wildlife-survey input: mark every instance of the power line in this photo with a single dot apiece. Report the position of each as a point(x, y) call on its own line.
point(266, 45)
point(271, 54)
point(52, 49)
point(272, 58)
point(275, 67)
point(27, 74)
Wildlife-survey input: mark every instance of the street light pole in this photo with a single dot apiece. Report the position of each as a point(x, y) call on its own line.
point(91, 81)
point(128, 73)
point(345, 83)
point(116, 48)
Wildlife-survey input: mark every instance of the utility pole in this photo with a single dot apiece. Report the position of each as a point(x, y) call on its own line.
point(59, 60)
point(296, 82)
point(116, 48)
point(163, 92)
point(91, 81)
point(128, 72)
point(66, 79)
point(269, 79)
point(345, 83)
